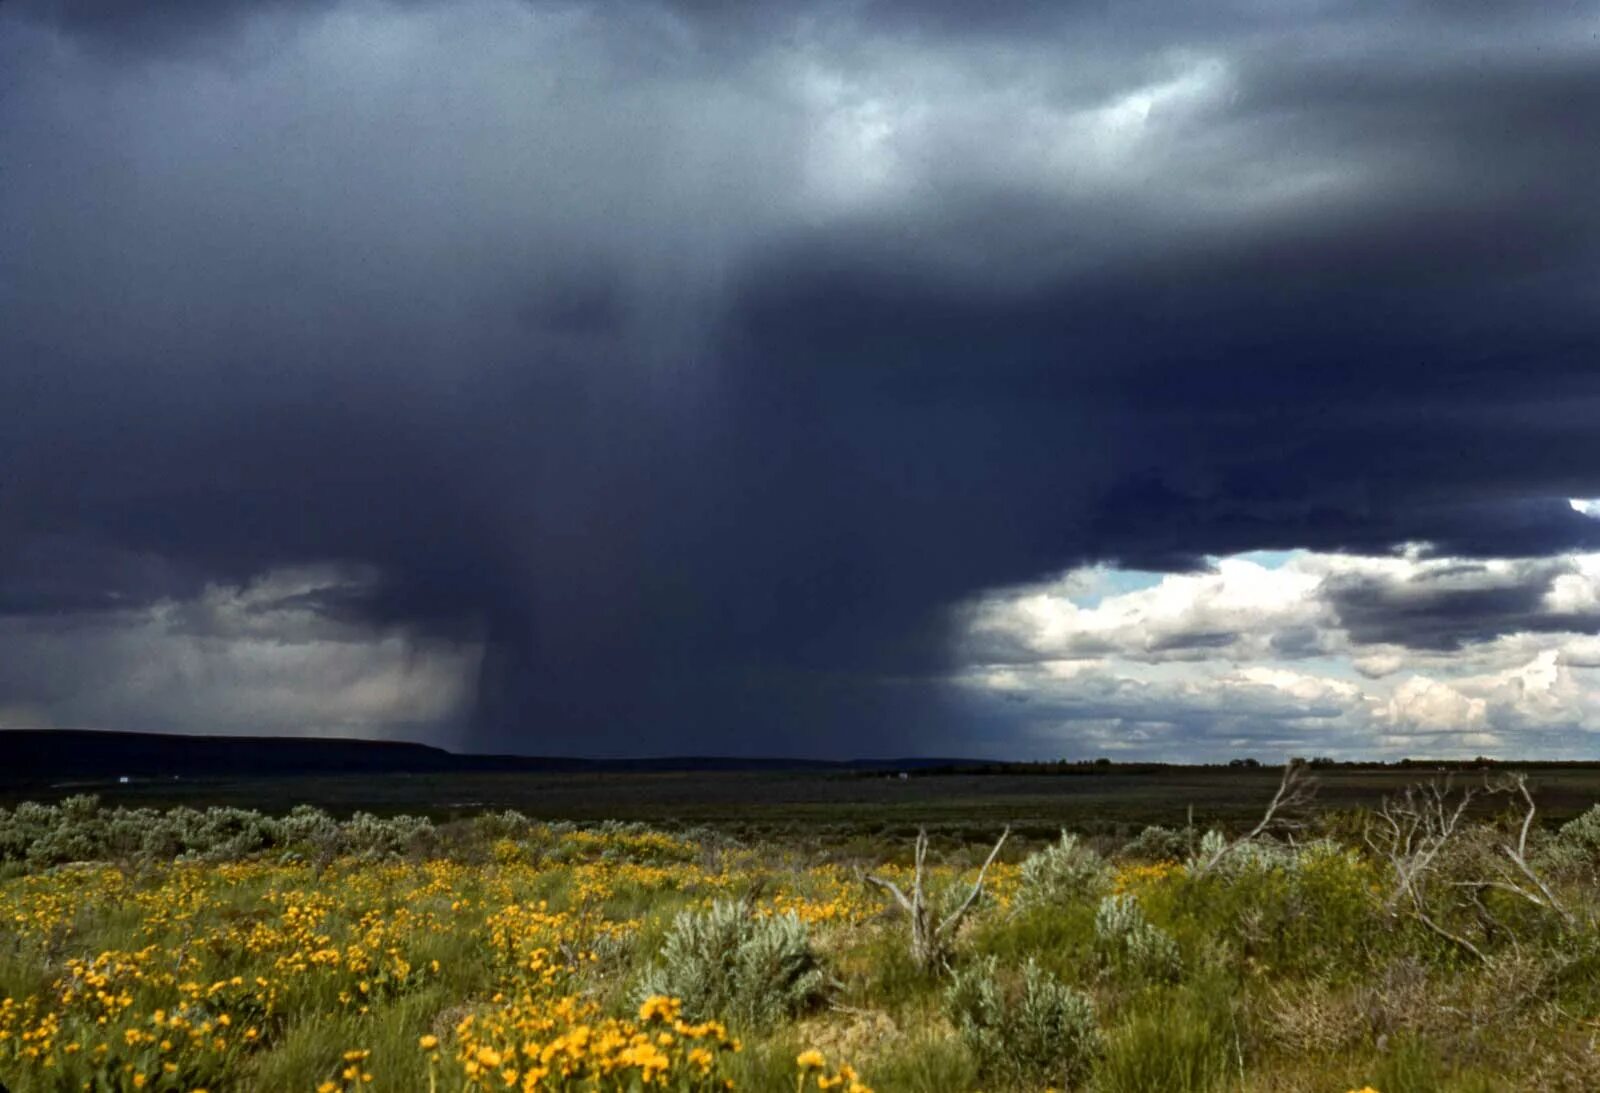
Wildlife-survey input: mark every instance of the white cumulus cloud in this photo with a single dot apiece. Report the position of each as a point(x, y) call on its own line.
point(1299, 652)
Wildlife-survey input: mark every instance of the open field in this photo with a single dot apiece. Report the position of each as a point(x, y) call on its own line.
point(847, 804)
point(224, 949)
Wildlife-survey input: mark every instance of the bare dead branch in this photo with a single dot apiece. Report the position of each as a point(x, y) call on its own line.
point(1295, 791)
point(953, 921)
point(1456, 939)
point(1541, 893)
point(893, 889)
point(1413, 831)
point(931, 940)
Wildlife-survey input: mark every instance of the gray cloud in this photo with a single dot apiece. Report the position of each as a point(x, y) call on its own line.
point(1447, 607)
point(696, 358)
point(1302, 652)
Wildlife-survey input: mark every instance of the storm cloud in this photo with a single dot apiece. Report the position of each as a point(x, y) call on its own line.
point(642, 378)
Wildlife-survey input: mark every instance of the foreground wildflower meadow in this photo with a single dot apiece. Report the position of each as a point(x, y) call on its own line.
point(227, 950)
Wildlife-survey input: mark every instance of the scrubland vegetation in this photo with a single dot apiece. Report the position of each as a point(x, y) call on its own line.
point(1445, 942)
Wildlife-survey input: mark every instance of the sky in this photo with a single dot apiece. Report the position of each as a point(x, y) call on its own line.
point(1035, 380)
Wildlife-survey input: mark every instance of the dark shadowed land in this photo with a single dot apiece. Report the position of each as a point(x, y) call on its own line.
point(762, 797)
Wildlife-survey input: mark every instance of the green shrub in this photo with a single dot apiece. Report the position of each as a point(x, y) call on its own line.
point(1216, 857)
point(1061, 873)
point(505, 824)
point(71, 831)
point(370, 836)
point(975, 1004)
point(1157, 843)
point(224, 834)
point(1044, 1033)
point(727, 962)
point(22, 827)
point(1310, 910)
point(1208, 853)
point(1060, 937)
point(310, 829)
point(78, 829)
point(1129, 946)
point(1576, 845)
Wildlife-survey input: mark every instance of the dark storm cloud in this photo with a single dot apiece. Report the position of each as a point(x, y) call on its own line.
point(1449, 607)
point(93, 17)
point(1215, 639)
point(700, 356)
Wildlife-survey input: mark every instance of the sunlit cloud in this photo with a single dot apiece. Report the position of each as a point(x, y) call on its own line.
point(1332, 653)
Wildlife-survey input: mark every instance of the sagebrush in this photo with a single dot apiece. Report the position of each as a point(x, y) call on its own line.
point(1454, 950)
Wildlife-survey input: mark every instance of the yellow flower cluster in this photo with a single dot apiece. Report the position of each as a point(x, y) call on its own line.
point(825, 895)
point(353, 1074)
point(632, 845)
point(87, 1026)
point(541, 949)
point(532, 1043)
point(187, 976)
point(816, 1074)
point(1133, 878)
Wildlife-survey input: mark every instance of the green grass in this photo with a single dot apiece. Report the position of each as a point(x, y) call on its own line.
point(926, 1064)
point(1061, 939)
point(1179, 1040)
point(766, 1065)
point(311, 1049)
point(1410, 1065)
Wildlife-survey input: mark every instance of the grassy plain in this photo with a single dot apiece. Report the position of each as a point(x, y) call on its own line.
point(734, 940)
point(1120, 800)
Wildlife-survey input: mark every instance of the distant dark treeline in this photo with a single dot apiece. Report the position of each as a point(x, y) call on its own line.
point(1094, 767)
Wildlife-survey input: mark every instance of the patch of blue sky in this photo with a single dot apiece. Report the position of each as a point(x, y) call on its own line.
point(1114, 582)
point(1270, 559)
point(1106, 582)
point(1328, 667)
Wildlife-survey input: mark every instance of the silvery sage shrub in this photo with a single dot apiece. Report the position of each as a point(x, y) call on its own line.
point(370, 836)
point(1060, 873)
point(1043, 1033)
point(1128, 944)
point(1576, 845)
point(78, 829)
point(1157, 843)
point(731, 963)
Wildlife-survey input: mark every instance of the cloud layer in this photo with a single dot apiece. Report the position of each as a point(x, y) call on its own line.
point(668, 371)
point(268, 657)
point(1300, 652)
